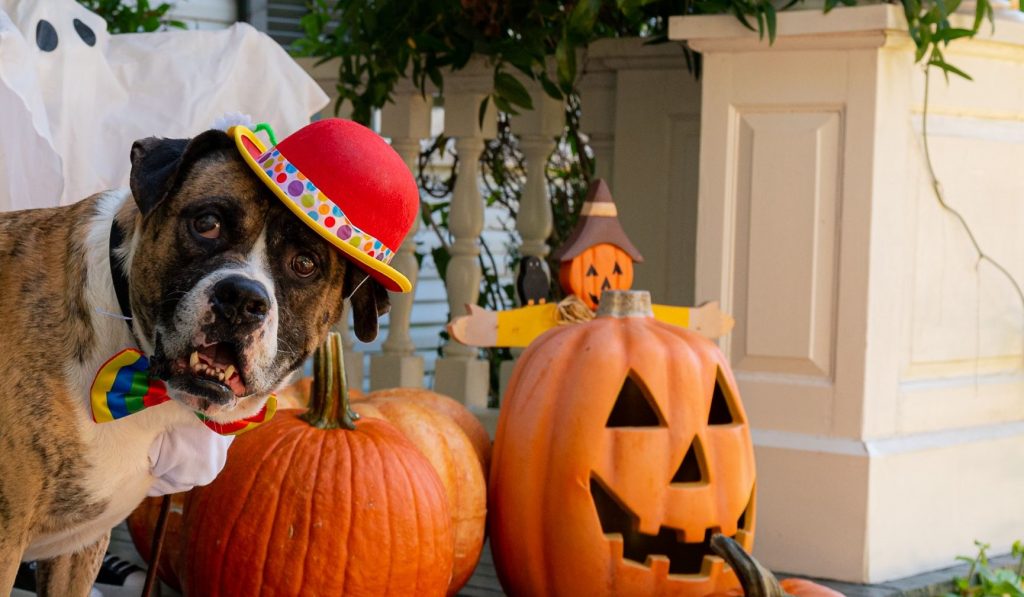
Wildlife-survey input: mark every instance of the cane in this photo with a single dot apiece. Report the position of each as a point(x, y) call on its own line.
point(157, 547)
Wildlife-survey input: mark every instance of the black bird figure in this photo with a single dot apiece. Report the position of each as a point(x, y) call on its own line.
point(533, 283)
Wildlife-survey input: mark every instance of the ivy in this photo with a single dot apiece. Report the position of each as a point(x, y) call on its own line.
point(132, 17)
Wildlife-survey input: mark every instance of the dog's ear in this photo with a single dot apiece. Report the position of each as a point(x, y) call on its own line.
point(158, 165)
point(369, 301)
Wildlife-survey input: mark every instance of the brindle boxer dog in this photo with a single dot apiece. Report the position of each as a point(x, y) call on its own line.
point(229, 292)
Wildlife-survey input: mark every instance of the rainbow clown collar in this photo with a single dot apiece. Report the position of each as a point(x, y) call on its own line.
point(123, 386)
point(346, 183)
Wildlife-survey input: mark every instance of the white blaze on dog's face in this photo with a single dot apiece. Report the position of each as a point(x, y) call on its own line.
point(230, 292)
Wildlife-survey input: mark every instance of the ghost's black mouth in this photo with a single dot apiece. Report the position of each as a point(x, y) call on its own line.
point(619, 524)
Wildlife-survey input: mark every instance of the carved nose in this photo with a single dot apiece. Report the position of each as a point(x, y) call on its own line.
point(241, 300)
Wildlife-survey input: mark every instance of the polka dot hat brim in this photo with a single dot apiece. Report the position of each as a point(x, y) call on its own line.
point(318, 211)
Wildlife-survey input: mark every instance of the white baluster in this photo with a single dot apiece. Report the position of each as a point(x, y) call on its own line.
point(460, 373)
point(538, 130)
point(406, 122)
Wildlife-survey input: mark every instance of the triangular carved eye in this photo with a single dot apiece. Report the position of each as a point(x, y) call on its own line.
point(591, 271)
point(634, 407)
point(616, 269)
point(721, 403)
point(691, 469)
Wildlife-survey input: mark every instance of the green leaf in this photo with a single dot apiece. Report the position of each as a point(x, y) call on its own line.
point(482, 112)
point(980, 9)
point(503, 105)
point(549, 87)
point(769, 15)
point(441, 259)
point(949, 34)
point(948, 68)
point(742, 17)
point(565, 58)
point(509, 87)
point(582, 18)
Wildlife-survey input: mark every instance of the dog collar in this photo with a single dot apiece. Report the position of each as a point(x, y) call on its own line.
point(117, 275)
point(123, 387)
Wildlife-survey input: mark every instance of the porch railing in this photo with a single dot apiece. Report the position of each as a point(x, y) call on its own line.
point(459, 372)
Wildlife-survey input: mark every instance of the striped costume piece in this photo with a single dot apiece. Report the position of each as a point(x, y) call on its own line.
point(124, 387)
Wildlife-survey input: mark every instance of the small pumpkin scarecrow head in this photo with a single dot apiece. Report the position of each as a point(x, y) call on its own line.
point(598, 255)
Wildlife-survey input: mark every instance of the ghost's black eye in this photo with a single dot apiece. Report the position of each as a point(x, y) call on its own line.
point(85, 32)
point(46, 36)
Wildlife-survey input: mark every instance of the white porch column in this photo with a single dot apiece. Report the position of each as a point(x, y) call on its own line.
point(460, 373)
point(641, 109)
point(597, 116)
point(406, 122)
point(880, 367)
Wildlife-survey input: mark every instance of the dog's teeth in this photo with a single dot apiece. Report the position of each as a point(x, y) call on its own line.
point(229, 372)
point(194, 359)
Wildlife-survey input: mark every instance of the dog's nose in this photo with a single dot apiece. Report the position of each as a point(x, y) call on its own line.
point(241, 300)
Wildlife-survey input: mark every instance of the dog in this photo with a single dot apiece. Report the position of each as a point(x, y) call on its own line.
point(229, 294)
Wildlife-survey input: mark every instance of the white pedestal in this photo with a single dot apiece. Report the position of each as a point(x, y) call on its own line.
point(395, 371)
point(881, 369)
point(464, 378)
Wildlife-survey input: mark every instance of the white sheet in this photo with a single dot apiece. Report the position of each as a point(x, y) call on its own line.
point(68, 116)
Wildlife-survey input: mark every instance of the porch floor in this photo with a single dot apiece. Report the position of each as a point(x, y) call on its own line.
point(484, 582)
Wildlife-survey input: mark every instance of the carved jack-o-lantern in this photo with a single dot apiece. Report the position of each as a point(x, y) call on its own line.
point(601, 267)
point(621, 448)
point(597, 256)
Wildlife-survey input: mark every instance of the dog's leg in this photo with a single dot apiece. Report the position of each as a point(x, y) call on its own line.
point(13, 542)
point(71, 575)
point(9, 563)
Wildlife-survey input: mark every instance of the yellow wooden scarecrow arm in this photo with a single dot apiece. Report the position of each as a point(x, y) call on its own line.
point(517, 328)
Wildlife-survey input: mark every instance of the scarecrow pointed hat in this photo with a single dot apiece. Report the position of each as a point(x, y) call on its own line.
point(346, 183)
point(598, 223)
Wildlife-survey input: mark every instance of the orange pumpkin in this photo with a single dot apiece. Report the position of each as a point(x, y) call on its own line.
point(451, 453)
point(757, 581)
point(599, 268)
point(621, 447)
point(450, 408)
point(310, 504)
point(141, 524)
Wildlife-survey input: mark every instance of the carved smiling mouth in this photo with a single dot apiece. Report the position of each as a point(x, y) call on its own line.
point(619, 525)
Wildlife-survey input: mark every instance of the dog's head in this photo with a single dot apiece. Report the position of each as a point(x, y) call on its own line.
point(229, 290)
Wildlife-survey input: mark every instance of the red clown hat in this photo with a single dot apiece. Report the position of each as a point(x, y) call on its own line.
point(346, 183)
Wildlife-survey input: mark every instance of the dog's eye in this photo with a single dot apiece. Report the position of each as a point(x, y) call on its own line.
point(207, 226)
point(303, 265)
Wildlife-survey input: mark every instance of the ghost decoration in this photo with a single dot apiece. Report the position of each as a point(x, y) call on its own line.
point(75, 98)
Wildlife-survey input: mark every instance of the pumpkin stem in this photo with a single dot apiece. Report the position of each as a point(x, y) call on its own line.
point(757, 581)
point(625, 303)
point(328, 402)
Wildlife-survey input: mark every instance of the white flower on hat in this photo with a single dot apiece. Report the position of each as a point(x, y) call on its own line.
point(230, 119)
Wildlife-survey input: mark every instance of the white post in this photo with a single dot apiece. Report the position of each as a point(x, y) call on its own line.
point(597, 119)
point(406, 122)
point(460, 373)
point(880, 364)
